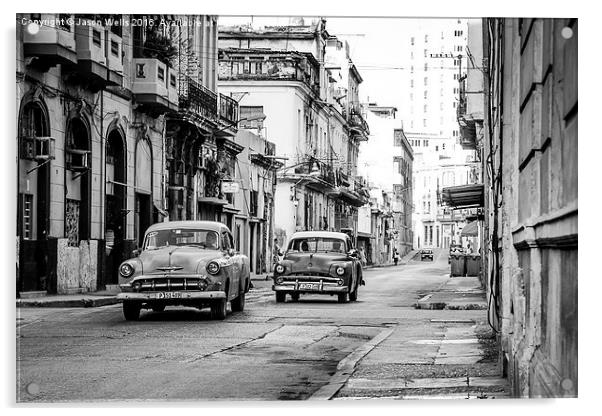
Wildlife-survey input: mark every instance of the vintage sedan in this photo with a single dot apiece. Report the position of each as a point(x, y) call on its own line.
point(318, 262)
point(188, 263)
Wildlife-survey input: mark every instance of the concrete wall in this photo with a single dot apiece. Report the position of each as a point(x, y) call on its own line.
point(537, 222)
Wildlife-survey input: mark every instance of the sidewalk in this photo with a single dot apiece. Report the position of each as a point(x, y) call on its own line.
point(78, 300)
point(458, 293)
point(438, 355)
point(403, 260)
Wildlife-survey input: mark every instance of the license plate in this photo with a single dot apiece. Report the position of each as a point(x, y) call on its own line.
point(168, 295)
point(309, 286)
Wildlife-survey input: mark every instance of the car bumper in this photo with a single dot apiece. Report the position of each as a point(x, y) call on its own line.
point(324, 288)
point(174, 296)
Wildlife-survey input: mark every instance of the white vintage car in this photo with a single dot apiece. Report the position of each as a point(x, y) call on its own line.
point(188, 263)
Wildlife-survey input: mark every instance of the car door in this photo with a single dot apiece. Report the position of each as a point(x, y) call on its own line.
point(240, 267)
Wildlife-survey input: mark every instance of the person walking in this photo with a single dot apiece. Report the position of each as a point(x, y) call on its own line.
point(395, 256)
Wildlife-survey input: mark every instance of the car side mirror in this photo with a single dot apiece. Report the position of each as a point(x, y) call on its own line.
point(136, 252)
point(230, 252)
point(352, 253)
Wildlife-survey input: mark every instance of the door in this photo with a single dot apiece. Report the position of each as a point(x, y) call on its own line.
point(233, 266)
point(142, 216)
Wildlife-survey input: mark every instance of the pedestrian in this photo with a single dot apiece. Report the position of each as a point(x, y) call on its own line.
point(276, 253)
point(395, 256)
point(363, 257)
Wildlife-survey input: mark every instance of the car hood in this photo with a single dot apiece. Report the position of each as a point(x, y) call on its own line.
point(303, 262)
point(185, 259)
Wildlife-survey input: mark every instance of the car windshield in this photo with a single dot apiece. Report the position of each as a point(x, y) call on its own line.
point(313, 244)
point(206, 239)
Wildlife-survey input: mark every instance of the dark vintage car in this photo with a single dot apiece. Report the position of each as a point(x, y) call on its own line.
point(188, 263)
point(318, 262)
point(426, 253)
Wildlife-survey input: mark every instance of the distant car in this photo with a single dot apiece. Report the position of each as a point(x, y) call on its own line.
point(318, 262)
point(426, 253)
point(188, 263)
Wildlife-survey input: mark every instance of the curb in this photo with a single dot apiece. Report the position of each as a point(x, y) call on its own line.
point(450, 306)
point(346, 367)
point(67, 303)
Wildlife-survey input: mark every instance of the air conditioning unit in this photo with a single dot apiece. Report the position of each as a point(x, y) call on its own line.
point(77, 159)
point(37, 148)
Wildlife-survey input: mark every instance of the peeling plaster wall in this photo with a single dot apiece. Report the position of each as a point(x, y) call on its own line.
point(76, 266)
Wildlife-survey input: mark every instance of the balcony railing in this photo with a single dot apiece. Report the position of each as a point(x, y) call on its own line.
point(356, 120)
point(196, 98)
point(228, 109)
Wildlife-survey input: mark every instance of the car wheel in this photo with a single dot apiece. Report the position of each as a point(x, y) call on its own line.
point(218, 309)
point(280, 297)
point(131, 311)
point(238, 304)
point(158, 308)
point(295, 297)
point(343, 297)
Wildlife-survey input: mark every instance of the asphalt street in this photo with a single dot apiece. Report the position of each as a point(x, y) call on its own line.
point(271, 351)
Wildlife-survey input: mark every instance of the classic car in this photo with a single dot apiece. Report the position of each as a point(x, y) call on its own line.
point(187, 263)
point(318, 262)
point(426, 253)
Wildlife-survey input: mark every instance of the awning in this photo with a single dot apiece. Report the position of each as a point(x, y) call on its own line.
point(363, 235)
point(464, 196)
point(212, 201)
point(470, 230)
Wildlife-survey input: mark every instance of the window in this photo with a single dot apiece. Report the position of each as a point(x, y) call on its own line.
point(426, 38)
point(425, 107)
point(412, 83)
point(436, 148)
point(412, 69)
point(412, 41)
point(114, 48)
point(426, 67)
point(443, 146)
point(426, 80)
point(26, 207)
point(424, 122)
point(425, 143)
point(96, 37)
point(425, 53)
point(161, 73)
point(172, 80)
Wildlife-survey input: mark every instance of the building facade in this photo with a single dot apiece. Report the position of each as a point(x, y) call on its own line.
point(119, 126)
point(531, 200)
point(279, 72)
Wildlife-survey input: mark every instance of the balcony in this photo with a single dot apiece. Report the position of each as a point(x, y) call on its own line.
point(357, 124)
point(151, 86)
point(266, 65)
point(91, 51)
point(228, 110)
point(197, 100)
point(52, 44)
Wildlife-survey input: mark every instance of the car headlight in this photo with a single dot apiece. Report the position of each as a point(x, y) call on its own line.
point(126, 270)
point(279, 268)
point(213, 267)
point(340, 270)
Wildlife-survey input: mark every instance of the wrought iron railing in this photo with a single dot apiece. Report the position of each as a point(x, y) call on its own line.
point(196, 98)
point(228, 109)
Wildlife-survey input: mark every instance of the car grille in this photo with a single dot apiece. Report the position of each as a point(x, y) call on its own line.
point(314, 274)
point(168, 284)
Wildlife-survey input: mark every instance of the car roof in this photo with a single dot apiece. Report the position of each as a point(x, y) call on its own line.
point(324, 234)
point(204, 225)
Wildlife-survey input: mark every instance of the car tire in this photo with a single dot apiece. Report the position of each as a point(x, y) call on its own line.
point(343, 297)
point(280, 297)
point(158, 308)
point(131, 311)
point(295, 297)
point(218, 309)
point(238, 304)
